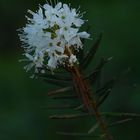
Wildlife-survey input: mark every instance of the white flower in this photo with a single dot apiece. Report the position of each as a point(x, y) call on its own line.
point(72, 59)
point(51, 36)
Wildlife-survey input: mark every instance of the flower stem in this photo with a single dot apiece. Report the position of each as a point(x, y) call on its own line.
point(90, 104)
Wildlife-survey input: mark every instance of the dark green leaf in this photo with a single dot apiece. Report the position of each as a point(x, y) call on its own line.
point(66, 97)
point(91, 53)
point(69, 116)
point(107, 114)
point(61, 107)
point(103, 98)
point(120, 122)
point(58, 91)
point(93, 128)
point(79, 107)
point(95, 75)
point(100, 92)
point(79, 134)
point(56, 82)
point(55, 76)
point(120, 114)
point(80, 54)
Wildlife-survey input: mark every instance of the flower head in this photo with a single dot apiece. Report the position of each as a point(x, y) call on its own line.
point(51, 36)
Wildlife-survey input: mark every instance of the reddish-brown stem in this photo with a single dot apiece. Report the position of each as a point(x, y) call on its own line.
point(90, 104)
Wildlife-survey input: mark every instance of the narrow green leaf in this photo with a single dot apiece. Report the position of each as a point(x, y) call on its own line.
point(104, 92)
point(69, 116)
point(56, 82)
point(106, 87)
point(79, 107)
point(93, 76)
point(120, 122)
point(65, 97)
point(81, 55)
point(61, 107)
point(58, 91)
point(91, 53)
point(107, 114)
point(120, 114)
point(103, 98)
point(93, 128)
point(79, 134)
point(81, 52)
point(55, 76)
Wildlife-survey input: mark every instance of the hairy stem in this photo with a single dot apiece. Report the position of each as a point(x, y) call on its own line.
point(90, 104)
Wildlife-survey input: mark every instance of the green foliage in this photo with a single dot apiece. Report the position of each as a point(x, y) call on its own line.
point(21, 97)
point(69, 93)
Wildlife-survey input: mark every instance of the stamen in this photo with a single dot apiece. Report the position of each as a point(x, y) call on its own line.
point(51, 2)
point(81, 14)
point(69, 4)
point(47, 2)
point(41, 6)
point(78, 8)
point(55, 2)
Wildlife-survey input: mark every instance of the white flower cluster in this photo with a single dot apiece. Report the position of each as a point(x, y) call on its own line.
point(51, 36)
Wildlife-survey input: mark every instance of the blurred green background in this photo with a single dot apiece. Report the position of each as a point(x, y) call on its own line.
point(22, 100)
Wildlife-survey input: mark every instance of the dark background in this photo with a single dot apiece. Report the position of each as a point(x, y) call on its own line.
point(22, 98)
